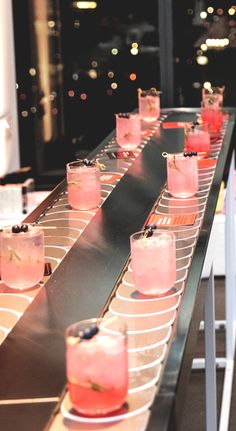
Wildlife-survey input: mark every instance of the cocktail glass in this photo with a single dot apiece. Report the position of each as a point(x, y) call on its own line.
point(128, 130)
point(153, 261)
point(182, 174)
point(197, 138)
point(83, 184)
point(97, 365)
point(213, 115)
point(149, 104)
point(213, 95)
point(22, 256)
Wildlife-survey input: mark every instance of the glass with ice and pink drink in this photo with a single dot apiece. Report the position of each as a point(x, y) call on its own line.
point(128, 130)
point(182, 174)
point(22, 256)
point(153, 261)
point(213, 115)
point(213, 96)
point(197, 138)
point(149, 104)
point(97, 365)
point(83, 184)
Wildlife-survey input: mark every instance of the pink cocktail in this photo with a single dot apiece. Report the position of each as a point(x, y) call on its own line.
point(128, 130)
point(182, 174)
point(197, 138)
point(212, 115)
point(213, 96)
point(97, 365)
point(22, 256)
point(149, 104)
point(153, 262)
point(83, 184)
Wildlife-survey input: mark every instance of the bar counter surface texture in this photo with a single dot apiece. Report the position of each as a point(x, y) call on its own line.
point(89, 252)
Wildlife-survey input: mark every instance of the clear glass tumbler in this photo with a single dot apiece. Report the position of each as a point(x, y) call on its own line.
point(182, 174)
point(149, 104)
point(128, 130)
point(197, 138)
point(83, 184)
point(97, 365)
point(22, 256)
point(153, 261)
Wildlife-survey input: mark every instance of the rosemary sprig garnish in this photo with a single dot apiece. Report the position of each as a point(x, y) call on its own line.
point(13, 254)
point(127, 135)
point(89, 385)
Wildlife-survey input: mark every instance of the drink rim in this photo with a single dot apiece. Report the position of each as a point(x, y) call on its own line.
point(155, 231)
point(101, 322)
point(75, 166)
point(32, 231)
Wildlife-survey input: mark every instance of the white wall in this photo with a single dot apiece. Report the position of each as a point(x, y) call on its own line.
point(9, 139)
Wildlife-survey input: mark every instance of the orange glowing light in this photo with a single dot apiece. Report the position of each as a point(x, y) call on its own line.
point(132, 76)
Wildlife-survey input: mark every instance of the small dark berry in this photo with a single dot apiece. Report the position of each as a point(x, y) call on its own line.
point(16, 228)
point(24, 228)
point(185, 154)
point(150, 226)
point(88, 162)
point(89, 332)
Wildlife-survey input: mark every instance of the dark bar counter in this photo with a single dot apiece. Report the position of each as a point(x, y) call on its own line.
point(89, 253)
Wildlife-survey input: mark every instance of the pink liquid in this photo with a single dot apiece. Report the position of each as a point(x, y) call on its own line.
point(22, 258)
point(128, 131)
point(84, 187)
point(149, 108)
point(214, 117)
point(182, 175)
point(199, 141)
point(153, 262)
point(97, 373)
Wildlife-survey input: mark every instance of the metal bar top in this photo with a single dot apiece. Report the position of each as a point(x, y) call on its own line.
point(89, 254)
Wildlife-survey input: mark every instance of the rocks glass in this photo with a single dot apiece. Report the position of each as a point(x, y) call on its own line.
point(83, 184)
point(97, 365)
point(153, 261)
point(182, 174)
point(197, 138)
point(149, 104)
point(22, 256)
point(128, 130)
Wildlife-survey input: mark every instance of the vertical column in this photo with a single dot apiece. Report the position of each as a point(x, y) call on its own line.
point(9, 141)
point(166, 52)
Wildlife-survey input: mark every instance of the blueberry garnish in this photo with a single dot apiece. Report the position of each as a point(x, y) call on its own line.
point(89, 332)
point(150, 226)
point(24, 228)
point(16, 228)
point(88, 162)
point(149, 230)
point(124, 115)
point(190, 153)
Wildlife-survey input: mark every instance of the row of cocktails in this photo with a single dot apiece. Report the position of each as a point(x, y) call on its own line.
point(96, 349)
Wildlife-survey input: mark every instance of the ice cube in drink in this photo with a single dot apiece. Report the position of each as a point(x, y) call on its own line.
point(83, 184)
point(22, 256)
point(128, 130)
point(153, 262)
point(97, 365)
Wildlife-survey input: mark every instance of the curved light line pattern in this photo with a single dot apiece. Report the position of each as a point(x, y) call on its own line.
point(60, 207)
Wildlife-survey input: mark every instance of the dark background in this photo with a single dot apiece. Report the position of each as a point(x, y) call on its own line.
point(88, 84)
